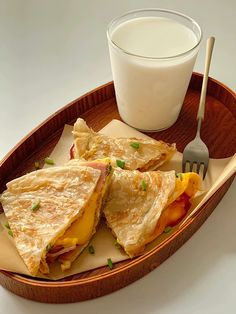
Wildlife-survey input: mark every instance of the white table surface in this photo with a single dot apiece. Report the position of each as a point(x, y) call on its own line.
point(53, 51)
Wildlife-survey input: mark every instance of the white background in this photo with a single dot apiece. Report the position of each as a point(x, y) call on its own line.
point(51, 52)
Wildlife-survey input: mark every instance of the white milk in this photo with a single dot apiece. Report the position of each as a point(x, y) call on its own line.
point(150, 82)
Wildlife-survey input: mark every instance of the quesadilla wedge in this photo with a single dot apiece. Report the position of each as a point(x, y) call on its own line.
point(126, 153)
point(140, 205)
point(55, 211)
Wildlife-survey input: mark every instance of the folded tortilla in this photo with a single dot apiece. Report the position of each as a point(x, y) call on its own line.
point(53, 212)
point(140, 206)
point(127, 153)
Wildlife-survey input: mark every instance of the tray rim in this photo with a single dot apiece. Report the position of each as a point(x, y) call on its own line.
point(78, 282)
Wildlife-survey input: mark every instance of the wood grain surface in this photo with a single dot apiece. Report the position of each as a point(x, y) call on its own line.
point(98, 108)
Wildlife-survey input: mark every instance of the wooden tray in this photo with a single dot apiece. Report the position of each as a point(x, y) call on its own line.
point(98, 108)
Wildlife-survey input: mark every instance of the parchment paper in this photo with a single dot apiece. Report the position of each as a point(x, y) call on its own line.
point(103, 241)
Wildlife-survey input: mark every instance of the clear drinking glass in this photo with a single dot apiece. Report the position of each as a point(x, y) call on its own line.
point(152, 53)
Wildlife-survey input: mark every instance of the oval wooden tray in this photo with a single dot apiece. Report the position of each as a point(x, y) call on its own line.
point(98, 108)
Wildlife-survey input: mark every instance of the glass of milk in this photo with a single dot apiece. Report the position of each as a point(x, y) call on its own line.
point(152, 54)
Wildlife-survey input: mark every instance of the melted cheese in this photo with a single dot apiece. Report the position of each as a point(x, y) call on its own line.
point(80, 231)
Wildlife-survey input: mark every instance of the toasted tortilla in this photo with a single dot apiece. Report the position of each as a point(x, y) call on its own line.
point(140, 205)
point(140, 154)
point(84, 226)
point(62, 194)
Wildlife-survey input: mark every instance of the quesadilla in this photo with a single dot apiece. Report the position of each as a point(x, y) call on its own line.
point(53, 212)
point(126, 153)
point(141, 205)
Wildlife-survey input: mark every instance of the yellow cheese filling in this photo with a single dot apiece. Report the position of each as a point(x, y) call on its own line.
point(77, 234)
point(80, 230)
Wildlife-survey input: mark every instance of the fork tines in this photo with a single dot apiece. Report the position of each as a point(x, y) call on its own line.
point(198, 167)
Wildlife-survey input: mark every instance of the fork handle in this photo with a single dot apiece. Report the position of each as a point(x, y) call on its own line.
point(209, 49)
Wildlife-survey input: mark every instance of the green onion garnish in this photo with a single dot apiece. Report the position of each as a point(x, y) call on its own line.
point(117, 244)
point(48, 247)
point(37, 165)
point(49, 161)
point(179, 175)
point(7, 225)
point(144, 185)
point(109, 169)
point(10, 232)
point(91, 249)
point(120, 163)
point(35, 206)
point(9, 229)
point(167, 229)
point(109, 263)
point(135, 145)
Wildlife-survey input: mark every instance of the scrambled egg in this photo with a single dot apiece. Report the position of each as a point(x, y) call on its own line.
point(187, 184)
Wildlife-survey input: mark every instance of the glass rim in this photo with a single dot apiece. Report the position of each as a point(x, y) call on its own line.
point(186, 17)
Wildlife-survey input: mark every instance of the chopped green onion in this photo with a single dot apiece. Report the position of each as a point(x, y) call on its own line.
point(179, 175)
point(91, 249)
point(37, 165)
point(109, 169)
point(120, 163)
point(135, 145)
point(7, 225)
point(167, 229)
point(144, 185)
point(117, 244)
point(35, 206)
point(9, 229)
point(49, 161)
point(109, 263)
point(48, 247)
point(10, 232)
